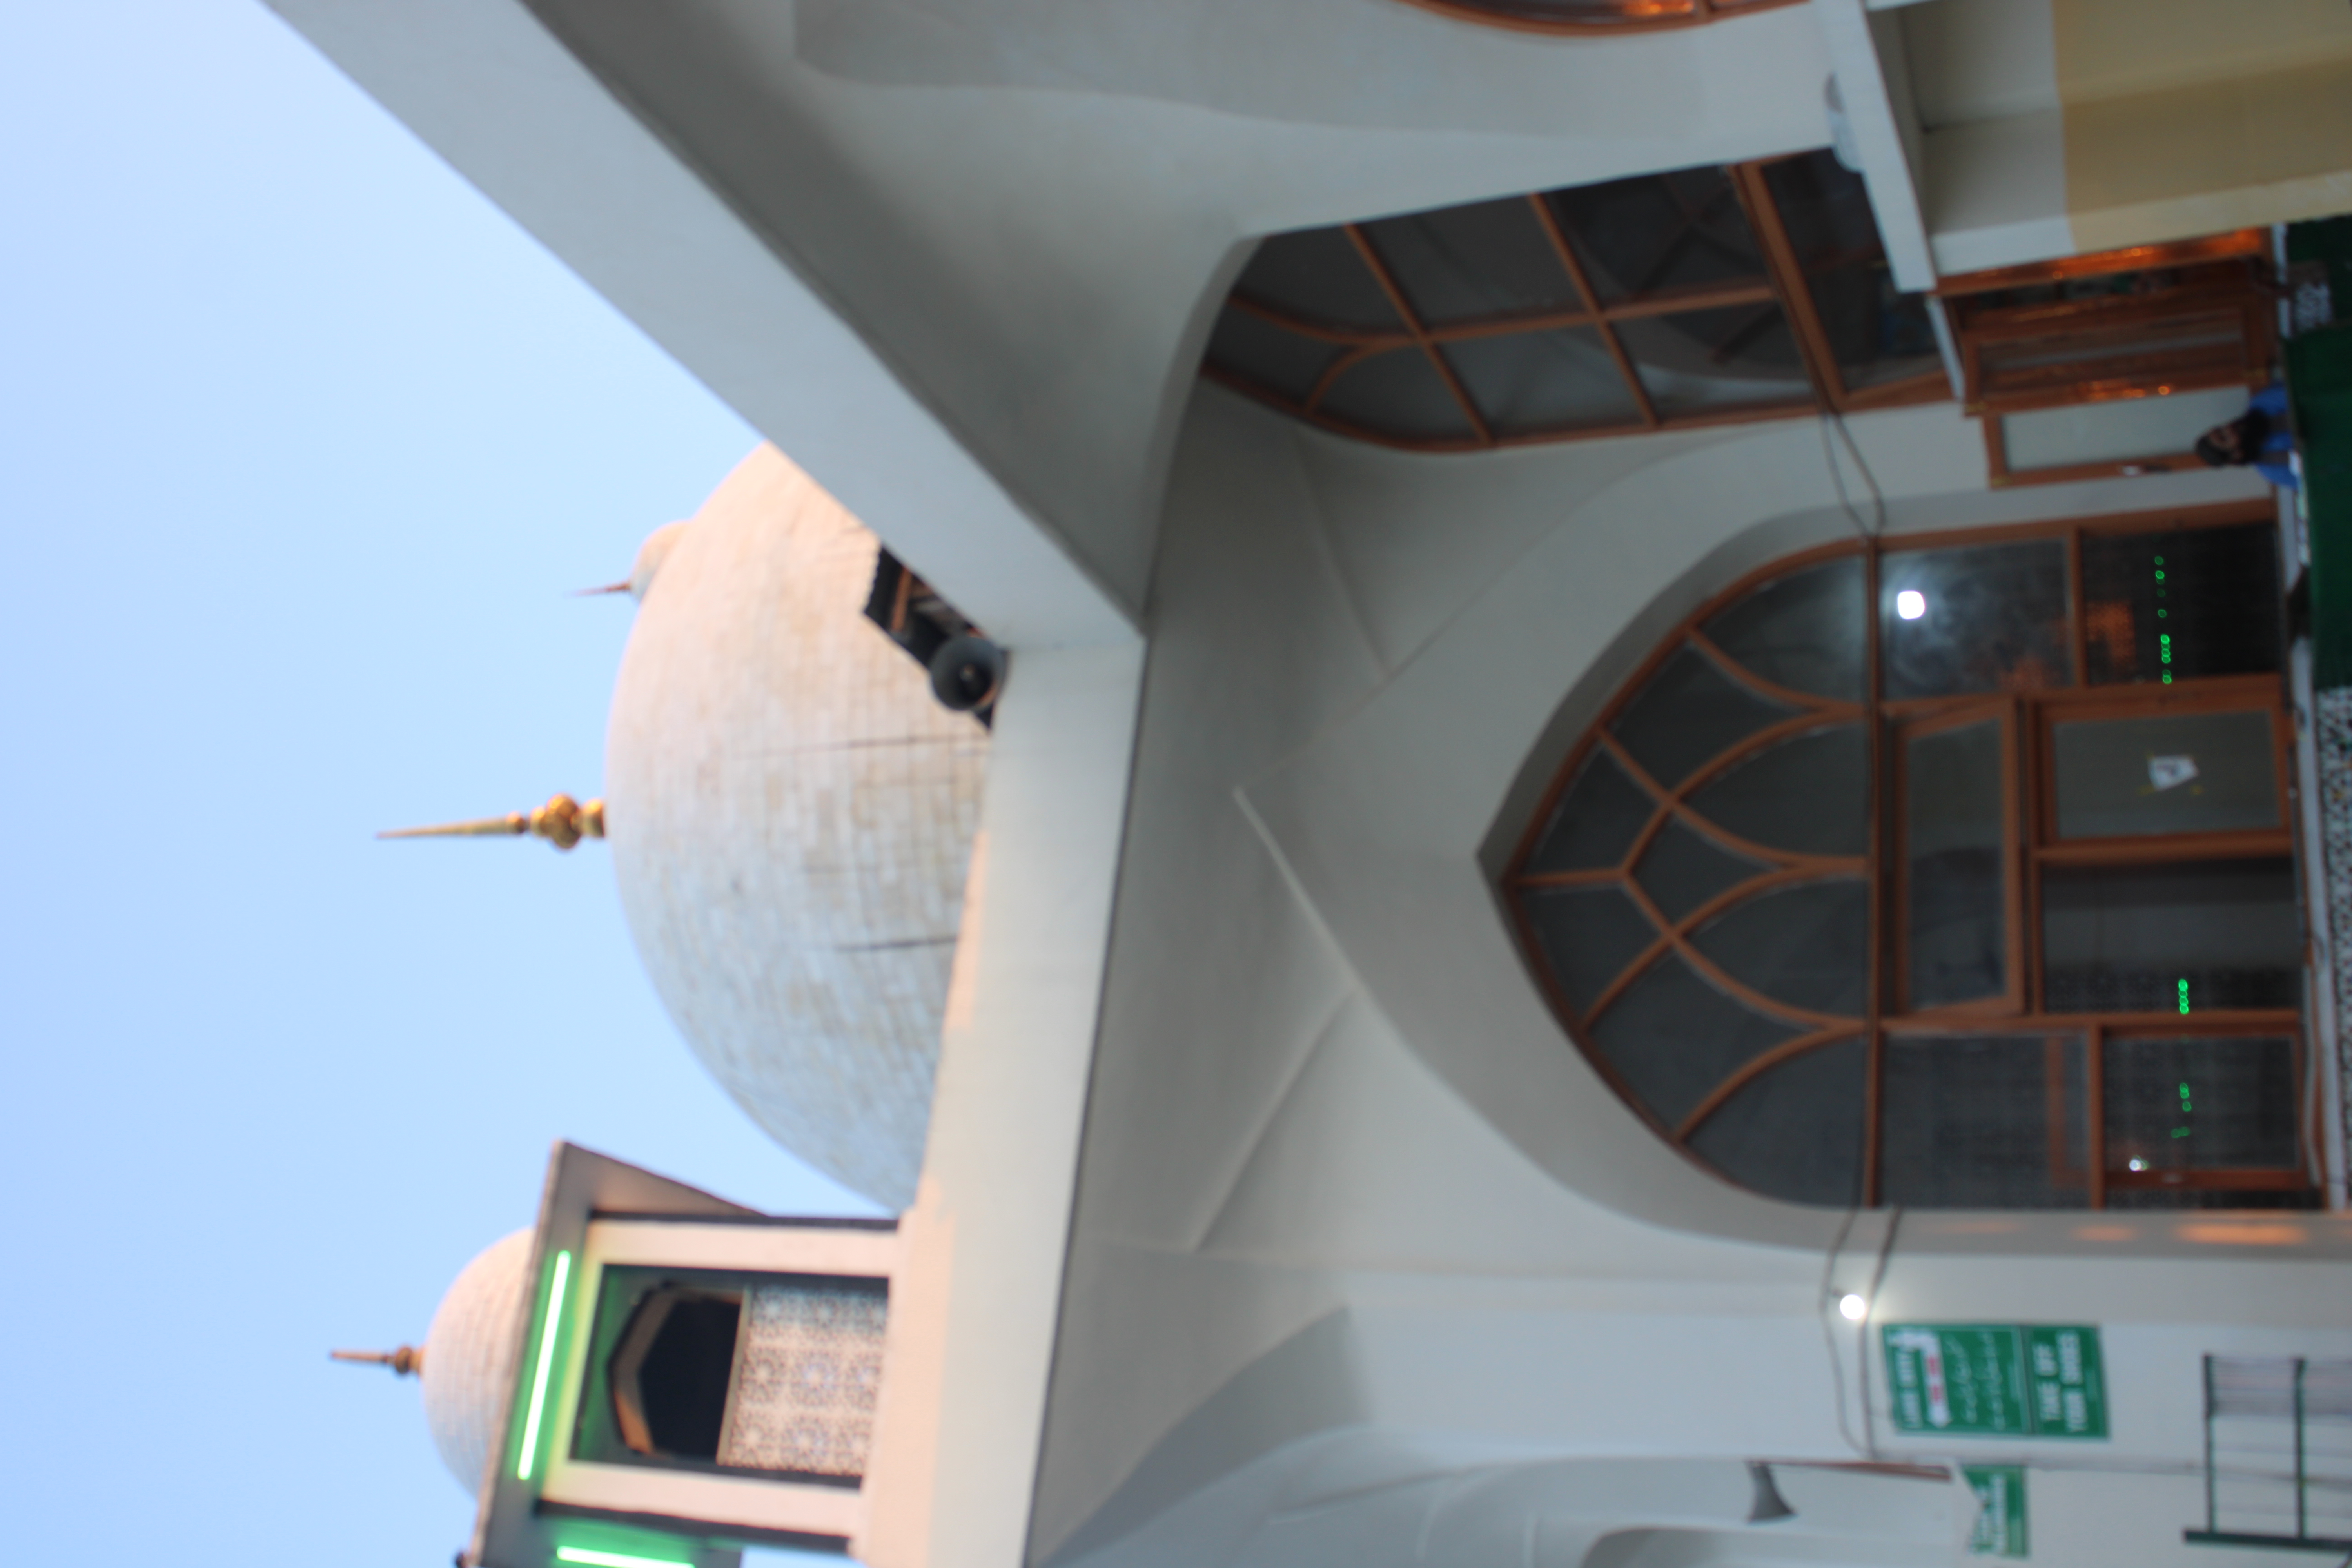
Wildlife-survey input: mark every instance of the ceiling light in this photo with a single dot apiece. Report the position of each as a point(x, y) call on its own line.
point(1852, 1307)
point(1911, 604)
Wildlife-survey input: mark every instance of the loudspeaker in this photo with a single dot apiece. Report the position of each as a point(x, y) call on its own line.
point(967, 672)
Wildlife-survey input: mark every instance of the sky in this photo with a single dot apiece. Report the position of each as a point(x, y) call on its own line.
point(304, 444)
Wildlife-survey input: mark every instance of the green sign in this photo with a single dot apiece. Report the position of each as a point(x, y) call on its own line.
point(1996, 1380)
point(2000, 1510)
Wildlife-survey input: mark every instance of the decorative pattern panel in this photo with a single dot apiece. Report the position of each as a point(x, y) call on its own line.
point(808, 1365)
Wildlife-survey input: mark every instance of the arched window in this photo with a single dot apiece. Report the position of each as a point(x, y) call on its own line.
point(1595, 16)
point(1957, 871)
point(1695, 297)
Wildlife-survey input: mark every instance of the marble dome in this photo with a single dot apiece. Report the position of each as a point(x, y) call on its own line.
point(792, 817)
point(469, 1355)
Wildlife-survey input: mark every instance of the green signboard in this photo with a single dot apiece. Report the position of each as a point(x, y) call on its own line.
point(1996, 1380)
point(2000, 1510)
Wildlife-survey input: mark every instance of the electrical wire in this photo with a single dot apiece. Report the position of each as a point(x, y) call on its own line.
point(1837, 477)
point(1829, 1332)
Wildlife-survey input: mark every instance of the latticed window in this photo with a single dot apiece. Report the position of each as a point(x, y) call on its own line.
point(1695, 297)
point(1596, 15)
point(1957, 871)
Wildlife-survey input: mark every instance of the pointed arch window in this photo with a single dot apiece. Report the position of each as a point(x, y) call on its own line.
point(1957, 872)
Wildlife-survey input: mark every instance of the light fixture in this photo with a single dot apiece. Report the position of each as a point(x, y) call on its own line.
point(2139, 1164)
point(1911, 604)
point(595, 1559)
point(546, 1361)
point(1852, 1307)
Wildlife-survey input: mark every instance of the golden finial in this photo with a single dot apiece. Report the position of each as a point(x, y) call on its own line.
point(562, 822)
point(403, 1361)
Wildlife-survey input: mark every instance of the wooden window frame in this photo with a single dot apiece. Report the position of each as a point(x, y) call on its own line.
point(2030, 841)
point(1783, 285)
point(2243, 302)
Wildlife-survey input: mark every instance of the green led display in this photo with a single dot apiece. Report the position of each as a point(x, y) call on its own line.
point(2164, 643)
point(2184, 1010)
point(546, 1363)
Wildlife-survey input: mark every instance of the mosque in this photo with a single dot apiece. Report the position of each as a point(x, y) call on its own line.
point(1503, 758)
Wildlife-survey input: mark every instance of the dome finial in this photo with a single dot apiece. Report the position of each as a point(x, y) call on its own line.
point(403, 1361)
point(562, 822)
point(650, 556)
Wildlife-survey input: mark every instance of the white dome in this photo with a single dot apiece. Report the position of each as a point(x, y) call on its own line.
point(470, 1356)
point(791, 816)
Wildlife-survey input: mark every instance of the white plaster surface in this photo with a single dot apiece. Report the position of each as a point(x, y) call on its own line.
point(790, 815)
point(470, 1356)
point(1348, 1188)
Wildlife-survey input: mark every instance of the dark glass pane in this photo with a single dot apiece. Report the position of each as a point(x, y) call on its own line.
point(1808, 945)
point(2201, 1105)
point(1796, 1132)
point(1983, 617)
point(1952, 865)
point(1317, 274)
point(1673, 1037)
point(1688, 712)
point(1257, 350)
point(1474, 262)
point(1809, 794)
point(1876, 333)
point(2193, 936)
point(1587, 935)
point(1398, 394)
point(1680, 870)
point(1993, 1121)
point(2182, 604)
point(1596, 820)
point(1532, 382)
point(1805, 631)
point(1655, 234)
point(1732, 356)
point(2183, 772)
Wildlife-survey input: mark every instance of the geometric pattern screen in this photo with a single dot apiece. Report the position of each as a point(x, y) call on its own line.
point(808, 1368)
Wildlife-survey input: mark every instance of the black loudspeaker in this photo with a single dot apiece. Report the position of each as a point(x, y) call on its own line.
point(967, 672)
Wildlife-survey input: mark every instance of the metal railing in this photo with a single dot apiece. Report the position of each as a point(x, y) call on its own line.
point(2278, 1453)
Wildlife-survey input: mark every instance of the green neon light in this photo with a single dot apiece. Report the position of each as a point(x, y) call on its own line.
point(546, 1361)
point(613, 1559)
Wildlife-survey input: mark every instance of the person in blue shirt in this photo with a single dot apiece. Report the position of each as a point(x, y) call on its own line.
point(2259, 436)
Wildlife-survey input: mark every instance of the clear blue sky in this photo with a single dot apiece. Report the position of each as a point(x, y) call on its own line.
point(302, 445)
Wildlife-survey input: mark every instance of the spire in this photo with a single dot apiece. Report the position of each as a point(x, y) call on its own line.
point(405, 1360)
point(650, 556)
point(562, 822)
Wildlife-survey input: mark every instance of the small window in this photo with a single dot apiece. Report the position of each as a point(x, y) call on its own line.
point(1891, 878)
point(714, 1370)
point(2115, 362)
